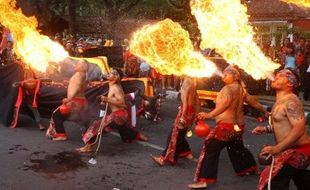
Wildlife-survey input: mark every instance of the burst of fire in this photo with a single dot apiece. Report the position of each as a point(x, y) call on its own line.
point(166, 46)
point(305, 3)
point(34, 49)
point(224, 26)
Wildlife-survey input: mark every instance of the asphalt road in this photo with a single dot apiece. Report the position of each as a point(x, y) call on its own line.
point(31, 161)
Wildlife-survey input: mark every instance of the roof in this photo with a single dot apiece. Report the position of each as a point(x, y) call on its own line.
point(271, 10)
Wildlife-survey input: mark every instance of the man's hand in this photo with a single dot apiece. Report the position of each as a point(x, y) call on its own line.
point(181, 124)
point(202, 115)
point(259, 130)
point(271, 150)
point(65, 100)
point(267, 115)
point(103, 98)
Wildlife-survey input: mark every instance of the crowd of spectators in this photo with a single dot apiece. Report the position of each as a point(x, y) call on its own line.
point(294, 54)
point(291, 54)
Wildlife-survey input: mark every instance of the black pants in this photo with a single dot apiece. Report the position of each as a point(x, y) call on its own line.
point(127, 133)
point(181, 144)
point(59, 122)
point(35, 113)
point(240, 157)
point(301, 179)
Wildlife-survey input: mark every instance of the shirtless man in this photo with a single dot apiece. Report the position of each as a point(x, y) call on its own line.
point(177, 145)
point(228, 132)
point(117, 119)
point(292, 149)
point(75, 102)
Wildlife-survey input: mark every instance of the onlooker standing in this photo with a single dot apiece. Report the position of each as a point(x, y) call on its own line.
point(307, 78)
point(290, 61)
point(144, 69)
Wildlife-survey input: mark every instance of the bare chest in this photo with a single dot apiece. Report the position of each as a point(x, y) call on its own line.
point(278, 113)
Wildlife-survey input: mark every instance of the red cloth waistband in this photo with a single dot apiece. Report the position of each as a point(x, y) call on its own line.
point(229, 126)
point(304, 148)
point(120, 112)
point(78, 100)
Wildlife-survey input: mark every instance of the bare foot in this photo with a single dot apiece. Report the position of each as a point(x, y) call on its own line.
point(60, 138)
point(158, 160)
point(190, 157)
point(85, 149)
point(141, 137)
point(198, 185)
point(41, 127)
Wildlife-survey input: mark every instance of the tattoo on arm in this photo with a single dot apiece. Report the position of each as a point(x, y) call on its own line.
point(226, 94)
point(295, 110)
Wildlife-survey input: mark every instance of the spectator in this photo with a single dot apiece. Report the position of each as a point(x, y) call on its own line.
point(289, 60)
point(144, 69)
point(306, 76)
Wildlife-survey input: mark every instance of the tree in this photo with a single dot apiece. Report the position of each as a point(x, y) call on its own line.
point(190, 22)
point(72, 16)
point(115, 9)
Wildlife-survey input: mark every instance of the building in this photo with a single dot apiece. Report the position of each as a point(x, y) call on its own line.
point(274, 20)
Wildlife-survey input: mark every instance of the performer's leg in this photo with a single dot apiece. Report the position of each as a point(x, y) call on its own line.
point(282, 180)
point(160, 159)
point(167, 143)
point(182, 146)
point(59, 122)
point(241, 158)
point(209, 166)
point(37, 116)
point(127, 133)
point(302, 180)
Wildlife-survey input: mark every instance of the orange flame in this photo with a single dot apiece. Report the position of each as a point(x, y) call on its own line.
point(34, 49)
point(304, 3)
point(224, 26)
point(166, 46)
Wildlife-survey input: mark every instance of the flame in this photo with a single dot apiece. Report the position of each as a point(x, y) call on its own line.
point(224, 26)
point(166, 46)
point(33, 48)
point(305, 3)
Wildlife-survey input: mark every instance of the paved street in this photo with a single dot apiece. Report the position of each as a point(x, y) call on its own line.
point(31, 161)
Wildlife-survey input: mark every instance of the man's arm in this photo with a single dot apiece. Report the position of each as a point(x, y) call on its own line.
point(184, 98)
point(223, 101)
point(254, 103)
point(197, 103)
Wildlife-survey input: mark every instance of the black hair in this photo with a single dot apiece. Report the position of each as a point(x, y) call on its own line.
point(296, 75)
point(120, 72)
point(296, 88)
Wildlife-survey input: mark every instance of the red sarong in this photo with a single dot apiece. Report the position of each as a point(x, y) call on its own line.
point(298, 157)
point(120, 117)
point(189, 119)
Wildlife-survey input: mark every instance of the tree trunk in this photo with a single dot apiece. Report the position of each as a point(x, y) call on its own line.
point(72, 17)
